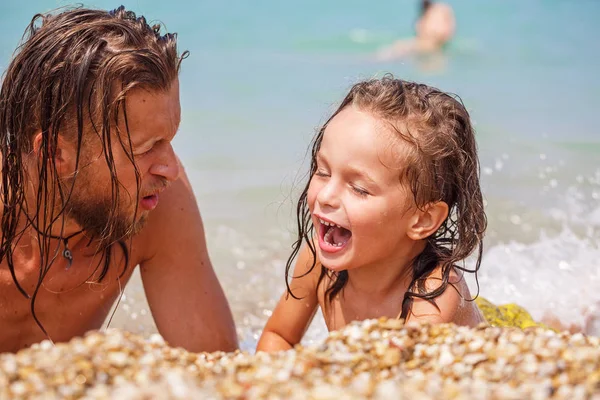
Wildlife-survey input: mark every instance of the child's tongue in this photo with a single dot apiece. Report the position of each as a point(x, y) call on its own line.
point(337, 235)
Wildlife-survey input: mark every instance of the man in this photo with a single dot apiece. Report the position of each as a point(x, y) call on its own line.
point(91, 186)
point(434, 29)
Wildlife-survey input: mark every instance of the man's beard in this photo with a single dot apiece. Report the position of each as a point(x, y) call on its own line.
point(102, 219)
point(99, 214)
point(102, 222)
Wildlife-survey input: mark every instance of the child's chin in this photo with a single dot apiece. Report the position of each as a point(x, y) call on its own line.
point(335, 269)
point(333, 265)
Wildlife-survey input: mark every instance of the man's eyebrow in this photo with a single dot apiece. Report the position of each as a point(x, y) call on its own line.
point(177, 127)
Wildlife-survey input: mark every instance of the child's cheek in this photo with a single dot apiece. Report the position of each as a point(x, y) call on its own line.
point(311, 197)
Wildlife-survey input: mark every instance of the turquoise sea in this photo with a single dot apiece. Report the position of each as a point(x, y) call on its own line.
point(262, 76)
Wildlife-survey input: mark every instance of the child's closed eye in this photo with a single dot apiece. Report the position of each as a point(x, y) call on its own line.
point(360, 191)
point(321, 172)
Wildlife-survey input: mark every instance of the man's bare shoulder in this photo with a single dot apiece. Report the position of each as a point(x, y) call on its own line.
point(178, 277)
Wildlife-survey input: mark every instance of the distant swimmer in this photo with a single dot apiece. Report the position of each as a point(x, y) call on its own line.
point(434, 29)
point(435, 26)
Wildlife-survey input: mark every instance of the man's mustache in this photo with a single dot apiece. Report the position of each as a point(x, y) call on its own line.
point(160, 185)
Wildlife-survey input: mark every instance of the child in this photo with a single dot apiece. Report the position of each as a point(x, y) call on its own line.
point(392, 209)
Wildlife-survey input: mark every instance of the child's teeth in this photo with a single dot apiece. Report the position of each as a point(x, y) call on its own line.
point(326, 223)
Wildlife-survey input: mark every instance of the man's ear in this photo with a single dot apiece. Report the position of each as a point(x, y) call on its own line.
point(426, 221)
point(65, 164)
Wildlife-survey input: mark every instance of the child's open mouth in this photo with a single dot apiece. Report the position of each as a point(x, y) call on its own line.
point(333, 237)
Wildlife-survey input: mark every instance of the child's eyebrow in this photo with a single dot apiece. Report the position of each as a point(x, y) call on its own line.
point(361, 173)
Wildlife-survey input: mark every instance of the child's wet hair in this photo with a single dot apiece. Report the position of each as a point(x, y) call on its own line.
point(440, 165)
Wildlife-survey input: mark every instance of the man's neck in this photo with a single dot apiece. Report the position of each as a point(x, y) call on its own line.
point(59, 230)
point(63, 234)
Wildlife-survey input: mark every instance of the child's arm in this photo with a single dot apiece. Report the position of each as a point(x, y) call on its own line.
point(291, 316)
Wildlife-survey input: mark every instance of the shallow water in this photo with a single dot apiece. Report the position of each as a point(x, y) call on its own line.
point(263, 75)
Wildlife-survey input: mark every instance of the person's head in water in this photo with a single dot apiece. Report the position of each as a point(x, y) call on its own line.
point(394, 178)
point(425, 4)
point(89, 105)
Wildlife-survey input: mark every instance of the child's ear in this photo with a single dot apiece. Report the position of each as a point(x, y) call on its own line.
point(62, 154)
point(426, 221)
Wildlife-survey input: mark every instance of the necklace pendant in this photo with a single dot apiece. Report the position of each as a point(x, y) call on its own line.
point(69, 257)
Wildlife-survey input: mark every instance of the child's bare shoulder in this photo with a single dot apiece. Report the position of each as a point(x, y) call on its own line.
point(452, 305)
point(456, 281)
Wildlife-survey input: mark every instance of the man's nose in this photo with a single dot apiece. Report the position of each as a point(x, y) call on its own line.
point(167, 166)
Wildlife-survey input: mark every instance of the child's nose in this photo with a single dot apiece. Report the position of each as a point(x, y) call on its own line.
point(328, 197)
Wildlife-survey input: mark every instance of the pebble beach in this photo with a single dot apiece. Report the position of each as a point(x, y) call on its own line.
point(379, 359)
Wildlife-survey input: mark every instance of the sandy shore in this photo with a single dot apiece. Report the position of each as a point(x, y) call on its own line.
point(372, 359)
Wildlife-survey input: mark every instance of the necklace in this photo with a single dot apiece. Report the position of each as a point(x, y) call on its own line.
point(67, 254)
